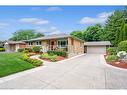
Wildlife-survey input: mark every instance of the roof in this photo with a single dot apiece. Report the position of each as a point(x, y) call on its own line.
point(54, 36)
point(15, 42)
point(96, 43)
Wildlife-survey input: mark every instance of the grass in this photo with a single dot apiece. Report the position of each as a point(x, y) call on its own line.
point(11, 63)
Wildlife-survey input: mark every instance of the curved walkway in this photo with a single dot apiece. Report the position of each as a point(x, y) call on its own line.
point(85, 72)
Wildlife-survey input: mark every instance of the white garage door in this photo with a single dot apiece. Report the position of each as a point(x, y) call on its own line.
point(96, 49)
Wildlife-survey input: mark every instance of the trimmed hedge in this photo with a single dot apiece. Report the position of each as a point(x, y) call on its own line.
point(35, 62)
point(36, 49)
point(122, 46)
point(2, 49)
point(58, 53)
point(20, 49)
point(25, 50)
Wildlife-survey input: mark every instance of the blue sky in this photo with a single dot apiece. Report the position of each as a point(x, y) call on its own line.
point(51, 19)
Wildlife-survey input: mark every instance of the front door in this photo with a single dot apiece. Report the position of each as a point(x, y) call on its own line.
point(52, 45)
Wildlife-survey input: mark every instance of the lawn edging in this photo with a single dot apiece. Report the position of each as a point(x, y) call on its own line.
point(103, 61)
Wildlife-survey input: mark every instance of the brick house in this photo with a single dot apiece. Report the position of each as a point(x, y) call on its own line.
point(65, 42)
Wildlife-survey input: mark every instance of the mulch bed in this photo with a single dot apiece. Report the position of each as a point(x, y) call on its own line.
point(33, 53)
point(59, 58)
point(119, 63)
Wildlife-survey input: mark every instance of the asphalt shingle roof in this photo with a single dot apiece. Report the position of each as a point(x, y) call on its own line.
point(54, 36)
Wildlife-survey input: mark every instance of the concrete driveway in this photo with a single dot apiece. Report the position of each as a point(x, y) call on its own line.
point(85, 72)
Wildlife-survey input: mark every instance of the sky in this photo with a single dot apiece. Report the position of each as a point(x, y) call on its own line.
point(51, 19)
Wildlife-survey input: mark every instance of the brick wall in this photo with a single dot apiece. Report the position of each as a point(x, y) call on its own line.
point(75, 46)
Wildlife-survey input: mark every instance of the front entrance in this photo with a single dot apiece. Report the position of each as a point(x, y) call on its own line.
point(52, 45)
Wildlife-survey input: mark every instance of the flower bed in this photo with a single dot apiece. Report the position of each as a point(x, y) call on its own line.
point(117, 63)
point(59, 58)
point(51, 58)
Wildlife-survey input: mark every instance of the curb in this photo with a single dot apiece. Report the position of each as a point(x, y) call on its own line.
point(113, 67)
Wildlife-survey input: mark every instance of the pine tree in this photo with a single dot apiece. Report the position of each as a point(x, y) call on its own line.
point(125, 32)
point(121, 38)
point(117, 38)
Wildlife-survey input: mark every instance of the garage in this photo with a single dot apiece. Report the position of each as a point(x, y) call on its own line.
point(97, 47)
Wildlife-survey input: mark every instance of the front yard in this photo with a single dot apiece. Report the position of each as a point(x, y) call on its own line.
point(11, 63)
point(19, 61)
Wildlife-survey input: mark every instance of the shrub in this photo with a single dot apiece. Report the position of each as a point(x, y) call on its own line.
point(35, 62)
point(112, 58)
point(58, 53)
point(36, 49)
point(111, 50)
point(24, 57)
point(20, 50)
point(45, 55)
point(53, 58)
point(25, 51)
point(50, 57)
point(121, 54)
point(122, 46)
point(29, 49)
point(2, 49)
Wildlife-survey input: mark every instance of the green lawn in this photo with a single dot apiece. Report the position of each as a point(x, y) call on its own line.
point(11, 63)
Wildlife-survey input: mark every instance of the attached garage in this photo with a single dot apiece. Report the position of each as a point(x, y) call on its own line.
point(97, 47)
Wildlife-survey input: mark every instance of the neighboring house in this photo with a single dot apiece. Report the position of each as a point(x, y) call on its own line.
point(96, 47)
point(65, 42)
point(11, 46)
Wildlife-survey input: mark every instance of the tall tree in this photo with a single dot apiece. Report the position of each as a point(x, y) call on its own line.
point(125, 32)
point(77, 34)
point(93, 33)
point(121, 34)
point(113, 26)
point(25, 35)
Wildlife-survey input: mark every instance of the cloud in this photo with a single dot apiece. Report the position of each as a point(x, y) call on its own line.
point(3, 25)
point(50, 30)
point(54, 9)
point(34, 21)
point(101, 18)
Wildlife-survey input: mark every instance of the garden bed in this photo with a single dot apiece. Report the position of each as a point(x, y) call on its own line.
point(59, 58)
point(118, 63)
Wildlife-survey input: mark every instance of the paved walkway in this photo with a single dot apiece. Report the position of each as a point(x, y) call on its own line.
point(85, 72)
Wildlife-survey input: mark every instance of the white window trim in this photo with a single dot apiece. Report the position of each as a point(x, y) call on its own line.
point(38, 44)
point(60, 45)
point(30, 43)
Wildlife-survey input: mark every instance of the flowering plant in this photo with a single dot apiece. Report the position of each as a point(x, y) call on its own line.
point(121, 54)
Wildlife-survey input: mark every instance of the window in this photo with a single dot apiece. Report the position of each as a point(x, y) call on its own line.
point(62, 43)
point(38, 43)
point(30, 43)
